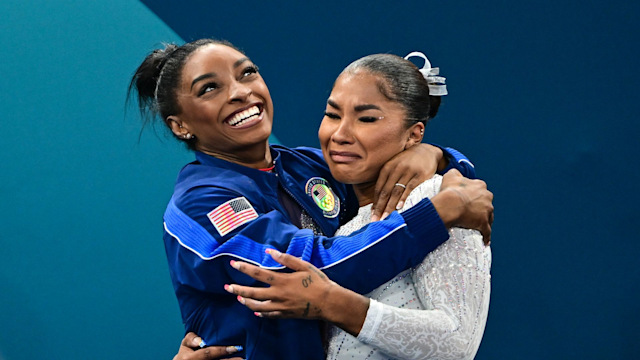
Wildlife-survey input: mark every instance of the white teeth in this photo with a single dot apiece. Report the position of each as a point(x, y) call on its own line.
point(243, 116)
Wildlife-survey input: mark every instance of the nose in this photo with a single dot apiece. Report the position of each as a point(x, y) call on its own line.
point(239, 92)
point(343, 133)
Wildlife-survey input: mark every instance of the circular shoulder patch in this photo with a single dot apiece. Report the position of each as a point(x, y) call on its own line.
point(322, 194)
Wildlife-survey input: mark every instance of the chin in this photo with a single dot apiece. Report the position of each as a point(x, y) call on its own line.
point(346, 177)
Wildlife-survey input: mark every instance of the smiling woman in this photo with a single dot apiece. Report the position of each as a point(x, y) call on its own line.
point(226, 105)
point(241, 196)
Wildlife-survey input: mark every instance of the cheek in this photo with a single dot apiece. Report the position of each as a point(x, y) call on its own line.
point(382, 146)
point(263, 90)
point(324, 133)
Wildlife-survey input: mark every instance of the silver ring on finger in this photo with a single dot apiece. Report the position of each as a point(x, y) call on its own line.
point(401, 185)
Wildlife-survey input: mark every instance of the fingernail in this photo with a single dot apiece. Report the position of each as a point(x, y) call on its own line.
point(257, 314)
point(273, 252)
point(400, 205)
point(384, 215)
point(374, 218)
point(234, 349)
point(241, 300)
point(229, 288)
point(234, 264)
point(199, 342)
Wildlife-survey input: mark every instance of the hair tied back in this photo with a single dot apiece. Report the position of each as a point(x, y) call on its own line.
point(437, 86)
point(165, 55)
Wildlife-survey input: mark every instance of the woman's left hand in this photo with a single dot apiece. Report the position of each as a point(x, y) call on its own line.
point(400, 175)
point(300, 294)
point(190, 349)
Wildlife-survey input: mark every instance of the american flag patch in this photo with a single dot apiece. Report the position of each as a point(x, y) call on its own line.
point(232, 214)
point(320, 192)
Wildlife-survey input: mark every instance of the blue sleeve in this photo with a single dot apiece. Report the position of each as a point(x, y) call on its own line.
point(199, 257)
point(458, 161)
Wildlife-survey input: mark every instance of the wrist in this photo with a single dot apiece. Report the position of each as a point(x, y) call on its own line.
point(448, 203)
point(345, 309)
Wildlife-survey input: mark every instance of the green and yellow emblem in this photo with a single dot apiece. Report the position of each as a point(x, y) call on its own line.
point(321, 193)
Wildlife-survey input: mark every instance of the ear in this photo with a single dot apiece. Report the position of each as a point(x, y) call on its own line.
point(415, 135)
point(176, 126)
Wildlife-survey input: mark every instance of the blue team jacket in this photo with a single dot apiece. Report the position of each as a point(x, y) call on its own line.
point(221, 211)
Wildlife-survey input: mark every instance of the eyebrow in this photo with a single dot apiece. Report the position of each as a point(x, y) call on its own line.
point(240, 61)
point(333, 104)
point(210, 75)
point(364, 107)
point(202, 77)
point(357, 108)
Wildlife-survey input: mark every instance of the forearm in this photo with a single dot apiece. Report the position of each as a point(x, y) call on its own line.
point(453, 159)
point(402, 241)
point(398, 242)
point(449, 206)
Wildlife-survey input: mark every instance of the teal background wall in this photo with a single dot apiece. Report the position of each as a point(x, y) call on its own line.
point(543, 98)
point(82, 269)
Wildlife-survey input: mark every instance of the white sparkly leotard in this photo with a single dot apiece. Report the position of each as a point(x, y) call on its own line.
point(437, 310)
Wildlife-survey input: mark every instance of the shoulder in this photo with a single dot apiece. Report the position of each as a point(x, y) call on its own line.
point(427, 189)
point(213, 182)
point(210, 191)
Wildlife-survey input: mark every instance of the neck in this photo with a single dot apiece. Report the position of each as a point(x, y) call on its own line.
point(365, 192)
point(255, 157)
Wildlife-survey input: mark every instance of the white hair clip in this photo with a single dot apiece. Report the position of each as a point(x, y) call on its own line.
point(437, 86)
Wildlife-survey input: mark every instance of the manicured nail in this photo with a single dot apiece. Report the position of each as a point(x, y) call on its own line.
point(273, 252)
point(241, 300)
point(257, 314)
point(234, 264)
point(374, 218)
point(384, 216)
point(234, 349)
point(200, 343)
point(400, 205)
point(229, 288)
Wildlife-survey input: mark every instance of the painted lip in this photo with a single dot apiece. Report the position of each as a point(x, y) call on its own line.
point(343, 156)
point(251, 123)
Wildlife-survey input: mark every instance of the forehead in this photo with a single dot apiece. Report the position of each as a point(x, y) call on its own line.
point(215, 58)
point(359, 87)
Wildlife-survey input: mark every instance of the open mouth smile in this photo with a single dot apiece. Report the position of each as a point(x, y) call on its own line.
point(245, 117)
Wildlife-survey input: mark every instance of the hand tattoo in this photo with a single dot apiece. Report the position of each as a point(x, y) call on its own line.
point(306, 311)
point(318, 272)
point(306, 281)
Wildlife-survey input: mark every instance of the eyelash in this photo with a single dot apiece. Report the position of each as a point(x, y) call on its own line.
point(250, 70)
point(204, 90)
point(331, 115)
point(364, 119)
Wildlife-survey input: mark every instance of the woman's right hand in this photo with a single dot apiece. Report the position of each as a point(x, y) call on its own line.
point(190, 350)
point(306, 293)
point(465, 203)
